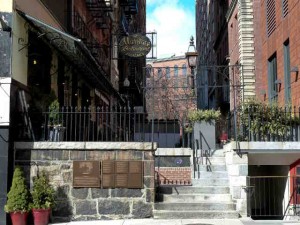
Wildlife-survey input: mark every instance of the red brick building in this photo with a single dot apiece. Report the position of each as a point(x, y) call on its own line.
point(279, 56)
point(169, 86)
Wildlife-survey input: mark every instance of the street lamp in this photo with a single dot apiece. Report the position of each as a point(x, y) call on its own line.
point(191, 56)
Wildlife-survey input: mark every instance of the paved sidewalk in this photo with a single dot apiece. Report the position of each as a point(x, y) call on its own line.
point(242, 221)
point(157, 222)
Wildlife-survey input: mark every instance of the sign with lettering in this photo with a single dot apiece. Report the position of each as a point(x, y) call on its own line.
point(86, 174)
point(135, 45)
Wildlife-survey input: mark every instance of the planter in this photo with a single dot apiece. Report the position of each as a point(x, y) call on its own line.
point(19, 218)
point(205, 133)
point(57, 133)
point(41, 216)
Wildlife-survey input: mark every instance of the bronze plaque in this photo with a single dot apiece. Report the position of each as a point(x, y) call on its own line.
point(135, 180)
point(108, 167)
point(121, 181)
point(121, 166)
point(86, 174)
point(108, 180)
point(135, 167)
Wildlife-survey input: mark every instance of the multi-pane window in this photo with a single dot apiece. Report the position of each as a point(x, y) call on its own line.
point(175, 76)
point(285, 7)
point(159, 73)
point(168, 73)
point(184, 79)
point(287, 77)
point(271, 16)
point(272, 78)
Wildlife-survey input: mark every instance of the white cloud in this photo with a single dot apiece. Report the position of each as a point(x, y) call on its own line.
point(174, 25)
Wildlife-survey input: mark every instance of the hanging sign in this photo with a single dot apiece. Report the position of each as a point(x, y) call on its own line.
point(135, 45)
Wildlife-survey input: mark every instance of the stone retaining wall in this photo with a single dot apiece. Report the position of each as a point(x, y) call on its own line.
point(75, 204)
point(237, 167)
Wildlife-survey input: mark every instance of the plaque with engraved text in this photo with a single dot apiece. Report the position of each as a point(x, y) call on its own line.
point(121, 167)
point(86, 174)
point(121, 181)
point(135, 178)
point(108, 167)
point(108, 180)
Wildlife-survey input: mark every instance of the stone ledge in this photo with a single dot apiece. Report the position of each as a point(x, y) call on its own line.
point(140, 146)
point(173, 151)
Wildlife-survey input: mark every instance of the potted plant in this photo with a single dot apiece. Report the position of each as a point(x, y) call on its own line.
point(43, 199)
point(18, 199)
point(56, 132)
point(203, 125)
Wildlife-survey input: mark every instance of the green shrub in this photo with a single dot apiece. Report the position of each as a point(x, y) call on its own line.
point(54, 112)
point(207, 115)
point(43, 194)
point(18, 197)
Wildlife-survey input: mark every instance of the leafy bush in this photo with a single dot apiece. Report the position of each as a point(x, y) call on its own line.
point(43, 194)
point(267, 119)
point(54, 112)
point(207, 115)
point(18, 197)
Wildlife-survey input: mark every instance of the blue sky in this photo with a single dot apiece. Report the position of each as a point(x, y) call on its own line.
point(174, 21)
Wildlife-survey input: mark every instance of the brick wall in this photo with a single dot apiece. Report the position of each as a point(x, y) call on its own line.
point(286, 28)
point(173, 175)
point(77, 204)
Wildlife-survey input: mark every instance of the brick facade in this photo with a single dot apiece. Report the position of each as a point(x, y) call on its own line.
point(286, 29)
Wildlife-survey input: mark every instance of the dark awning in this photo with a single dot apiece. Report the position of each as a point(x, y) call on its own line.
point(75, 52)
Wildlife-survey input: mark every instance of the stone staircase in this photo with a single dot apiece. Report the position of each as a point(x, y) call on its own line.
point(208, 198)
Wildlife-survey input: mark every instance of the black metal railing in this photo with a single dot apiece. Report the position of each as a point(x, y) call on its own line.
point(104, 124)
point(265, 124)
point(273, 197)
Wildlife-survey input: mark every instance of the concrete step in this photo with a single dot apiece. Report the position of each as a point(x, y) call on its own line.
point(214, 161)
point(217, 152)
point(210, 182)
point(194, 190)
point(211, 167)
point(205, 206)
point(205, 174)
point(166, 214)
point(196, 198)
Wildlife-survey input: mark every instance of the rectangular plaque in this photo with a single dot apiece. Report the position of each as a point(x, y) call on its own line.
point(108, 167)
point(135, 180)
point(121, 167)
point(135, 166)
point(108, 180)
point(86, 174)
point(121, 180)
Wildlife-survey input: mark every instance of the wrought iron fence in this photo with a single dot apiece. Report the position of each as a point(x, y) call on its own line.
point(105, 124)
point(273, 197)
point(269, 123)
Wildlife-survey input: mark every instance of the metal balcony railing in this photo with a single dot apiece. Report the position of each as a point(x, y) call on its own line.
point(92, 124)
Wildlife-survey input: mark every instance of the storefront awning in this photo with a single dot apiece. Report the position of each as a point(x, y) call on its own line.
point(75, 52)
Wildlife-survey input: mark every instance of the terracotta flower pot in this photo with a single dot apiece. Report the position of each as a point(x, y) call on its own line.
point(41, 216)
point(19, 218)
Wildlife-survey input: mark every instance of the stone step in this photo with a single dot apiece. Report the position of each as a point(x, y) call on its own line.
point(194, 190)
point(166, 214)
point(193, 198)
point(211, 167)
point(217, 152)
point(205, 174)
point(213, 153)
point(205, 206)
point(214, 161)
point(210, 182)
